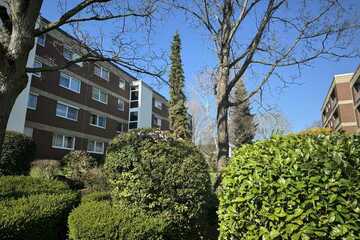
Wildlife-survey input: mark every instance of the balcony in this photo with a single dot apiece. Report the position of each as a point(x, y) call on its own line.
point(356, 91)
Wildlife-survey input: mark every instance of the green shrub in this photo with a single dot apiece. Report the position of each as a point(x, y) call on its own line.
point(101, 220)
point(77, 164)
point(33, 208)
point(17, 153)
point(95, 180)
point(162, 175)
point(96, 196)
point(44, 168)
point(20, 186)
point(293, 187)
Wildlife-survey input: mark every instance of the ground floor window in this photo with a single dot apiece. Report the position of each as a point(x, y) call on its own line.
point(63, 142)
point(95, 147)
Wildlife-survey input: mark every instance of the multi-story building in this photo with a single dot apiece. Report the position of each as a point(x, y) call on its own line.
point(340, 110)
point(83, 106)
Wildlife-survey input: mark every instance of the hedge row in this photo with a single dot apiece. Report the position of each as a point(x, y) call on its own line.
point(102, 220)
point(33, 208)
point(293, 187)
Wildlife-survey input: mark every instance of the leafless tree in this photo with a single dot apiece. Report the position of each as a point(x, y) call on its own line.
point(19, 26)
point(271, 123)
point(262, 36)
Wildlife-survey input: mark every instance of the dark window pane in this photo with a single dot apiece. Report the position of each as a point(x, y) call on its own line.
point(134, 104)
point(133, 116)
point(132, 125)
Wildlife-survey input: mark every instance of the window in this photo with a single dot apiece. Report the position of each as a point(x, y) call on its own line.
point(67, 53)
point(156, 121)
point(120, 104)
point(67, 111)
point(70, 83)
point(63, 142)
point(40, 40)
point(158, 104)
point(37, 64)
point(134, 97)
point(122, 84)
point(98, 121)
point(99, 95)
point(70, 55)
point(133, 120)
point(95, 147)
point(120, 127)
point(102, 72)
point(32, 101)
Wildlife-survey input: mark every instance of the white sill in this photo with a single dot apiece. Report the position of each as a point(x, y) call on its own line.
point(74, 120)
point(63, 148)
point(31, 108)
point(37, 75)
point(97, 126)
point(70, 89)
point(101, 153)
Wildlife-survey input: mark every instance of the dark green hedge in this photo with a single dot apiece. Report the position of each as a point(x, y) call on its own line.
point(101, 220)
point(96, 196)
point(161, 174)
point(17, 153)
point(34, 208)
point(19, 186)
point(293, 187)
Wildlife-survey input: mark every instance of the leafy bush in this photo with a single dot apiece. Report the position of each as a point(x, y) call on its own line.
point(18, 151)
point(20, 186)
point(33, 208)
point(96, 196)
point(77, 164)
point(316, 131)
point(162, 175)
point(293, 187)
point(101, 220)
point(95, 180)
point(44, 168)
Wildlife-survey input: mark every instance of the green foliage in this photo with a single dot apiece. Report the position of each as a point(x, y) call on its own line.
point(19, 186)
point(293, 187)
point(179, 122)
point(18, 151)
point(45, 168)
point(77, 165)
point(96, 196)
point(316, 131)
point(161, 174)
point(33, 208)
point(102, 220)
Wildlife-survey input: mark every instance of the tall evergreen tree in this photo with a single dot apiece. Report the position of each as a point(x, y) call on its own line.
point(179, 122)
point(242, 122)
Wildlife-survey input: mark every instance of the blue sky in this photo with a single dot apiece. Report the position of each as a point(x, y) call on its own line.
point(300, 102)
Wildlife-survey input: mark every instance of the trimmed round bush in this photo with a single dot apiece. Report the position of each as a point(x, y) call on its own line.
point(101, 220)
point(33, 208)
point(293, 187)
point(161, 174)
point(96, 197)
point(17, 153)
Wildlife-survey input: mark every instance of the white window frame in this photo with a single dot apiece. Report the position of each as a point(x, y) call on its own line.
point(63, 142)
point(97, 121)
point(122, 84)
point(74, 55)
point(40, 43)
point(67, 111)
point(94, 150)
point(158, 104)
point(37, 74)
point(120, 107)
point(100, 90)
point(70, 80)
point(102, 69)
point(158, 122)
point(27, 104)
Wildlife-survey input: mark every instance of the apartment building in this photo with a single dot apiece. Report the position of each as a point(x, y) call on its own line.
point(340, 110)
point(83, 106)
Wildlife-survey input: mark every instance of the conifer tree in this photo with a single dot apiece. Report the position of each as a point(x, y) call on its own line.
point(242, 123)
point(179, 122)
